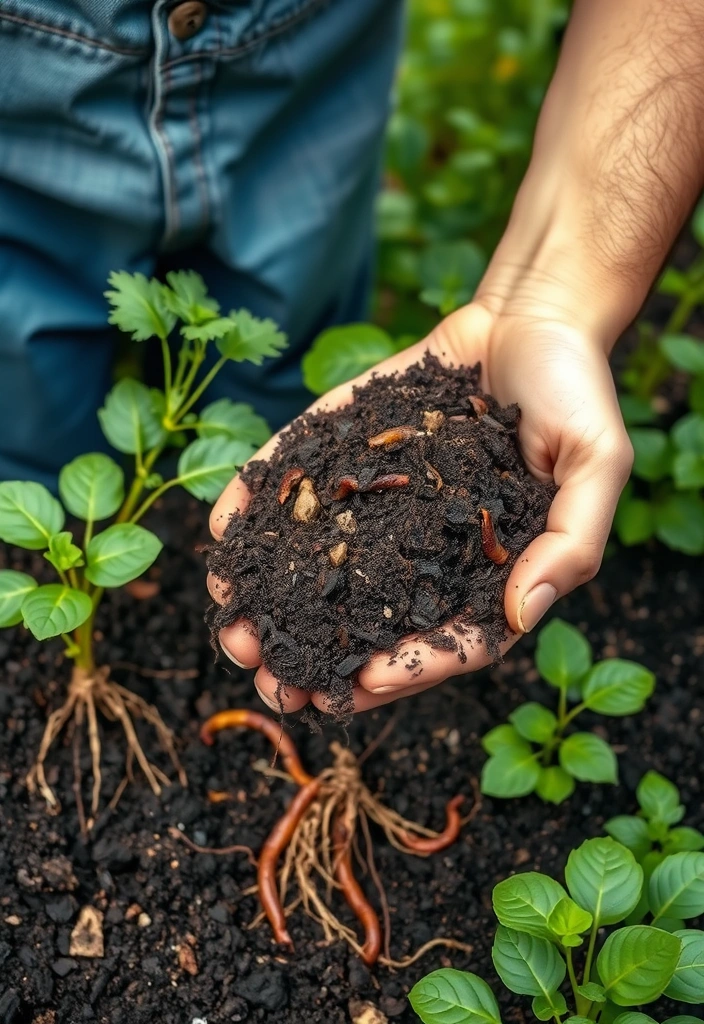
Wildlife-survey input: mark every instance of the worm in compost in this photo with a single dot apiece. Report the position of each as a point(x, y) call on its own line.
point(453, 824)
point(389, 482)
point(288, 481)
point(354, 895)
point(392, 436)
point(242, 718)
point(490, 545)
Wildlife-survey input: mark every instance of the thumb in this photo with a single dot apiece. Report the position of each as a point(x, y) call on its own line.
point(570, 551)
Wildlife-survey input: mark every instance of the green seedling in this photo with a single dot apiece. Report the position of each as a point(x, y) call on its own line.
point(535, 752)
point(112, 548)
point(569, 949)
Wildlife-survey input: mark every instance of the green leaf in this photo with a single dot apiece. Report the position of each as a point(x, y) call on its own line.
point(635, 410)
point(688, 470)
point(233, 419)
point(563, 655)
point(684, 838)
point(631, 832)
point(120, 554)
point(54, 609)
point(696, 394)
point(210, 330)
point(130, 418)
point(688, 981)
point(454, 997)
point(342, 353)
point(617, 687)
point(652, 453)
point(593, 992)
point(673, 282)
point(188, 299)
point(634, 521)
point(14, 587)
point(512, 772)
point(502, 736)
point(588, 758)
point(684, 1018)
point(63, 553)
point(659, 799)
point(449, 274)
point(251, 340)
point(636, 964)
point(545, 1007)
point(632, 1017)
point(138, 306)
point(526, 964)
point(683, 352)
point(604, 878)
point(207, 465)
point(568, 920)
point(679, 523)
point(534, 722)
point(575, 1019)
point(92, 487)
point(554, 785)
point(697, 223)
point(676, 887)
point(29, 515)
point(526, 901)
point(688, 433)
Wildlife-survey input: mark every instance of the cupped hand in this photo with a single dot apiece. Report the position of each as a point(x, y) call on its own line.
point(571, 431)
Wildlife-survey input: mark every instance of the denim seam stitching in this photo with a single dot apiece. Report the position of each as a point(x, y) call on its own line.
point(39, 26)
point(273, 30)
point(198, 156)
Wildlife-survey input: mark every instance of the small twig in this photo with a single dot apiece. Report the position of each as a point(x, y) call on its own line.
point(476, 804)
point(118, 792)
point(78, 721)
point(382, 735)
point(158, 673)
point(408, 960)
point(176, 833)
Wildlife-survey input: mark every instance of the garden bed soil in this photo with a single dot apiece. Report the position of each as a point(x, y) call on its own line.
point(176, 942)
point(376, 521)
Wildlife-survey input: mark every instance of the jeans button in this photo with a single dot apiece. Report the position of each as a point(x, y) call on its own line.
point(186, 20)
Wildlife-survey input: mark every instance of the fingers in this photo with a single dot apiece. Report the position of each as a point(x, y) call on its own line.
point(239, 642)
point(570, 551)
point(288, 700)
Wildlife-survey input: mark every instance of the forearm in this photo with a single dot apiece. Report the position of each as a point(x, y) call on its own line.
point(618, 161)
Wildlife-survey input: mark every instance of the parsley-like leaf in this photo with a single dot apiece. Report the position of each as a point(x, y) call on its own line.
point(187, 297)
point(210, 330)
point(251, 339)
point(138, 306)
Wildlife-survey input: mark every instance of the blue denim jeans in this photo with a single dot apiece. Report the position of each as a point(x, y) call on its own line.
point(249, 152)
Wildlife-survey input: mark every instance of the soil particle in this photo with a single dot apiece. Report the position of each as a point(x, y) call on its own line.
point(265, 987)
point(423, 477)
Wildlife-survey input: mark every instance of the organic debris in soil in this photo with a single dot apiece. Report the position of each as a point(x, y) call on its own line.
point(377, 521)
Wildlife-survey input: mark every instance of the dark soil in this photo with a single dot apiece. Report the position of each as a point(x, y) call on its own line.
point(191, 955)
point(393, 539)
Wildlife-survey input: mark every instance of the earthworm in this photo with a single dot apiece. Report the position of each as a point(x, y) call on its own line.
point(278, 840)
point(453, 823)
point(345, 486)
point(389, 482)
point(490, 545)
point(288, 481)
point(281, 741)
point(354, 895)
point(392, 436)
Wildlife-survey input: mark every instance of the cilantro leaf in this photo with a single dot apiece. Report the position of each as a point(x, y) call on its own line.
point(251, 339)
point(187, 297)
point(138, 306)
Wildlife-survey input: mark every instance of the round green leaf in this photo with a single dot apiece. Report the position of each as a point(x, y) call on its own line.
point(618, 687)
point(588, 758)
point(501, 736)
point(207, 465)
point(120, 554)
point(604, 878)
point(683, 352)
point(29, 515)
point(534, 722)
point(54, 609)
point(512, 772)
point(567, 918)
point(341, 353)
point(684, 838)
point(632, 1017)
point(676, 887)
point(631, 832)
point(527, 964)
point(684, 1018)
point(563, 655)
point(679, 523)
point(636, 964)
point(14, 587)
point(696, 394)
point(450, 273)
point(458, 997)
point(131, 417)
point(234, 419)
point(593, 992)
point(554, 785)
point(92, 487)
point(652, 453)
point(634, 521)
point(659, 799)
point(687, 983)
point(688, 470)
point(545, 1007)
point(688, 433)
point(636, 411)
point(526, 901)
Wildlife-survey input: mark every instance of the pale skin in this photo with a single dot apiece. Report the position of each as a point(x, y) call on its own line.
point(618, 162)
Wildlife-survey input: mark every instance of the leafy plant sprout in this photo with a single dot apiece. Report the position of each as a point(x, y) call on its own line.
point(140, 422)
point(549, 935)
point(611, 687)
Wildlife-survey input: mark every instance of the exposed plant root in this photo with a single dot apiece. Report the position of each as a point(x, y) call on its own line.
point(318, 834)
point(88, 695)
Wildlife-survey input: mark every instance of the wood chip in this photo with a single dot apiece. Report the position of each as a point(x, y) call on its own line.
point(144, 920)
point(388, 612)
point(87, 935)
point(393, 435)
point(433, 420)
point(307, 506)
point(187, 959)
point(347, 522)
point(338, 554)
point(366, 1013)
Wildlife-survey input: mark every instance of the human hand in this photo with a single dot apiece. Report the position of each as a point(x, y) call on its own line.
point(571, 431)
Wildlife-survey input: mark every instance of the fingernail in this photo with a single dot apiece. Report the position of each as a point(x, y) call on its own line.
point(534, 605)
point(231, 657)
point(382, 689)
point(267, 700)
